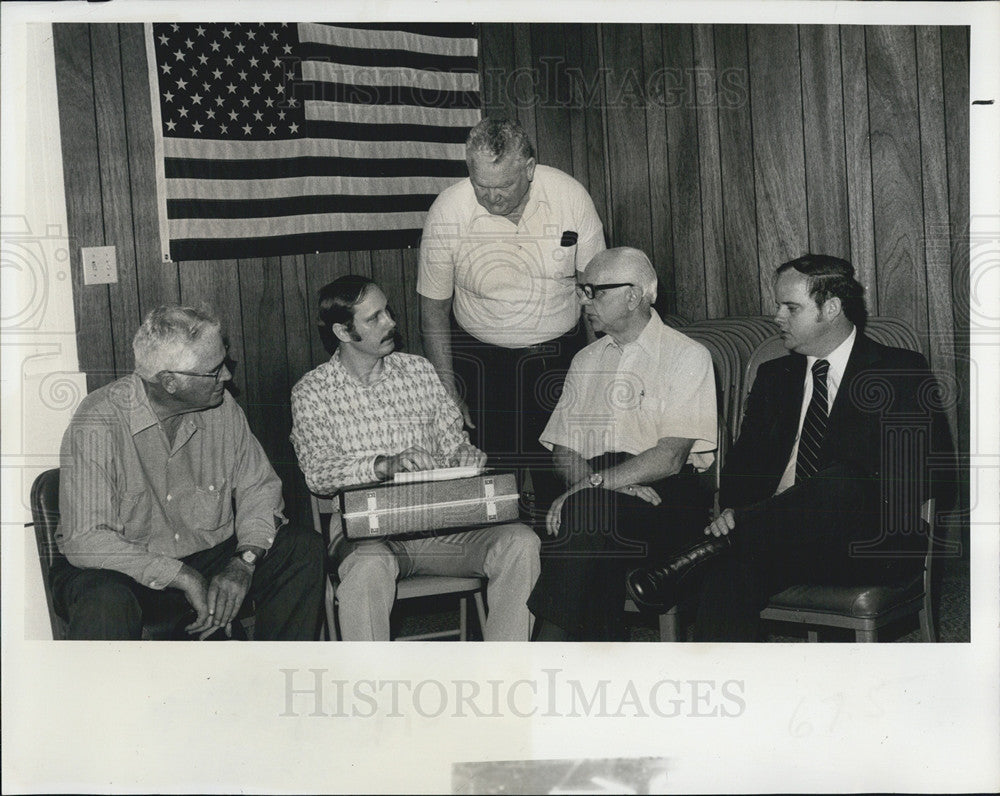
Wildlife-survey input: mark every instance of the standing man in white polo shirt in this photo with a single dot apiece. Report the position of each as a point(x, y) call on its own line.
point(501, 251)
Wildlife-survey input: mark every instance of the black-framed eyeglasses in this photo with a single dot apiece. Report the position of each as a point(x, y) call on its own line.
point(590, 290)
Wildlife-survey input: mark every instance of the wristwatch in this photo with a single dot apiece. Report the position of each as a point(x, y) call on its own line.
point(596, 480)
point(249, 557)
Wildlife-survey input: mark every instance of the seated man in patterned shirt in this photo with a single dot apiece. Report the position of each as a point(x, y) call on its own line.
point(369, 413)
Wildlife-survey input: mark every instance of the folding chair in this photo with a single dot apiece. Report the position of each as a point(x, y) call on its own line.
point(325, 510)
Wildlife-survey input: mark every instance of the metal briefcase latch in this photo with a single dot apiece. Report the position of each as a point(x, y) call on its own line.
point(372, 513)
point(489, 490)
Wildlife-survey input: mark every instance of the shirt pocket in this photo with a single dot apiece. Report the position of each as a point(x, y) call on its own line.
point(208, 507)
point(563, 254)
point(651, 410)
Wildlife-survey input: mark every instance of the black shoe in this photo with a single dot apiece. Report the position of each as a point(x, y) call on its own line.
point(657, 588)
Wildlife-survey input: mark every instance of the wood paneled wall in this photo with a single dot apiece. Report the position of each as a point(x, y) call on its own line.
point(721, 150)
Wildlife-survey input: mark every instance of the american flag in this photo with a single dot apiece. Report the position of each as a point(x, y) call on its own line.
point(290, 138)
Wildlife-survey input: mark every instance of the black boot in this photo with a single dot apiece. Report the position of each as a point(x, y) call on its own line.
point(657, 588)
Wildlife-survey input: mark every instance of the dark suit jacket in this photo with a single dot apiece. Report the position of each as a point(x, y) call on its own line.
point(884, 412)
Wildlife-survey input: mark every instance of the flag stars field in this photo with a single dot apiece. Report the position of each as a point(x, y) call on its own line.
point(289, 139)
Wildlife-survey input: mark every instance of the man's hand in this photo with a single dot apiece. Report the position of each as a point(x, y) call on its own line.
point(468, 456)
point(195, 589)
point(408, 461)
point(554, 518)
point(464, 409)
point(642, 492)
point(723, 524)
point(226, 593)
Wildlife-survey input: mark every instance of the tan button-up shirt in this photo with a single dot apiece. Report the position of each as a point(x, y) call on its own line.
point(131, 502)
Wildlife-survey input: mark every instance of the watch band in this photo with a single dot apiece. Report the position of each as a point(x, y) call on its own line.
point(249, 557)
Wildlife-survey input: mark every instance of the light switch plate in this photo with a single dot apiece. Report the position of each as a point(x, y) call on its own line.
point(99, 266)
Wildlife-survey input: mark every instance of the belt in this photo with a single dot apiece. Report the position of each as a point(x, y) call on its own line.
point(543, 346)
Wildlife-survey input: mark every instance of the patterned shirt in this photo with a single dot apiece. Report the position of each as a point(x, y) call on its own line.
point(132, 502)
point(340, 426)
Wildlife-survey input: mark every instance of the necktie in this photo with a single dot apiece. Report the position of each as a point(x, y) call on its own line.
point(814, 424)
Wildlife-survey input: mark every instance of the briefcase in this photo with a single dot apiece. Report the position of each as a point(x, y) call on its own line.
point(443, 506)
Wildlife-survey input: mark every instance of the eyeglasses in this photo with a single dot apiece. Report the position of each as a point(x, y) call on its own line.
point(215, 373)
point(590, 290)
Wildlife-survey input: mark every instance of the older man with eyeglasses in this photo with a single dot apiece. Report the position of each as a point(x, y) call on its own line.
point(636, 421)
point(152, 467)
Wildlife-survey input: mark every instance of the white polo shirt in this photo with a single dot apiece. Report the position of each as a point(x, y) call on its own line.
point(513, 284)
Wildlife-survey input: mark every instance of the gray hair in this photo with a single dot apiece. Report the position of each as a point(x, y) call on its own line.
point(167, 334)
point(633, 266)
point(497, 138)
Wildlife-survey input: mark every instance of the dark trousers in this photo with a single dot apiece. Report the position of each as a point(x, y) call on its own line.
point(803, 535)
point(286, 592)
point(510, 393)
point(602, 536)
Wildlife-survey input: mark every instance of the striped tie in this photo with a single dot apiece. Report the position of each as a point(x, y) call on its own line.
point(814, 425)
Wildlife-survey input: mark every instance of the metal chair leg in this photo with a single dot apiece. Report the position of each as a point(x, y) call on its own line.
point(927, 620)
point(669, 625)
point(331, 612)
point(480, 611)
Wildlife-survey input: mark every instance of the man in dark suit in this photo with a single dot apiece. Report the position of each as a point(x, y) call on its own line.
point(826, 479)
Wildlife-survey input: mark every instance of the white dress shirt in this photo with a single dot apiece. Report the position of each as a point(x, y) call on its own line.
point(838, 363)
point(625, 399)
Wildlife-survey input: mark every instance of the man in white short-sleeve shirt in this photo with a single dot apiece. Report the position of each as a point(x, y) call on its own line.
point(635, 423)
point(501, 251)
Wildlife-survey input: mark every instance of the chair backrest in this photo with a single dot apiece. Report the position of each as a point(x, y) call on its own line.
point(324, 509)
point(893, 332)
point(739, 343)
point(724, 361)
point(744, 337)
point(45, 518)
point(756, 327)
point(771, 348)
